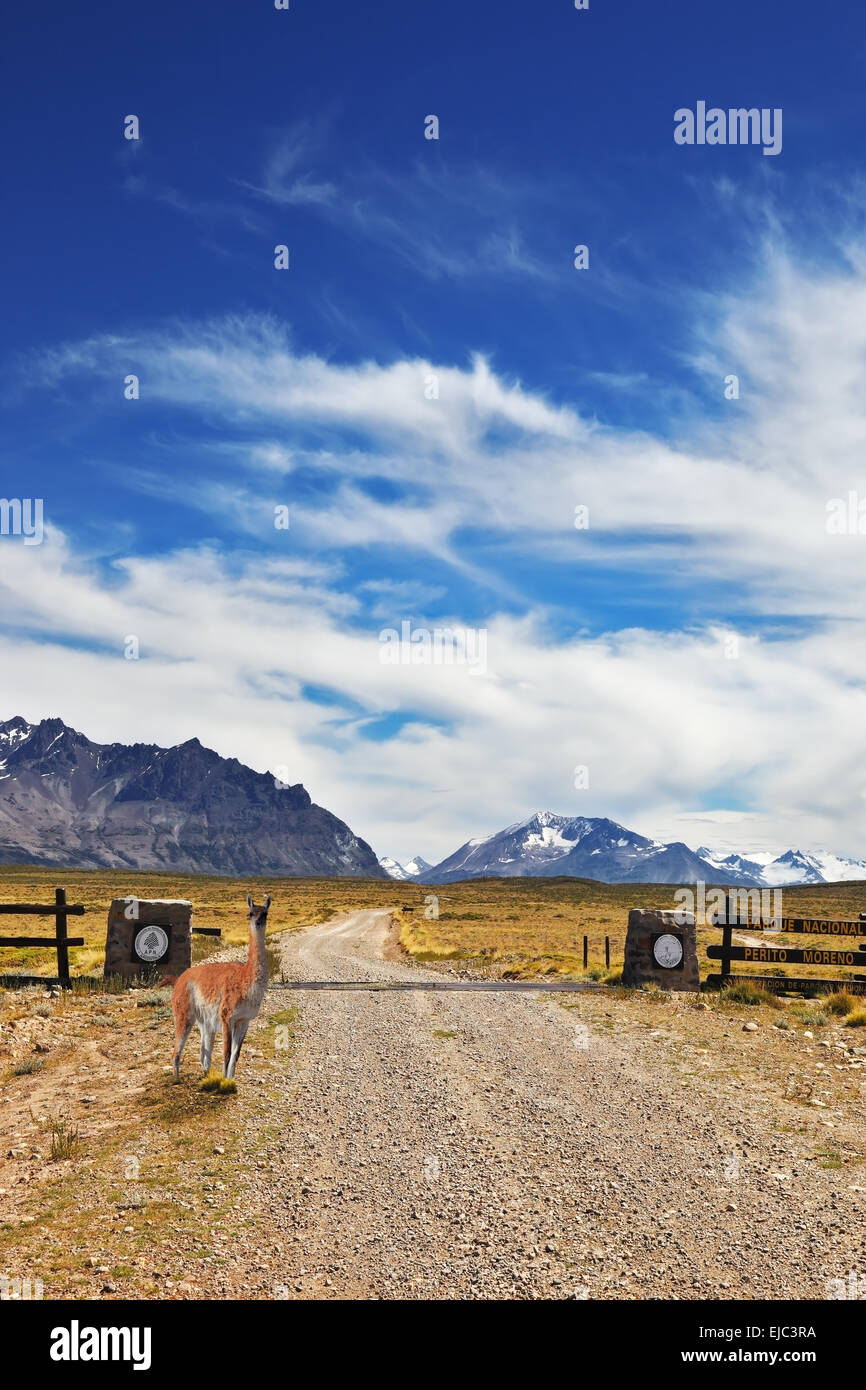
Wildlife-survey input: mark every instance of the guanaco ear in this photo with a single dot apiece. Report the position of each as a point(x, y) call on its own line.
point(250, 903)
point(267, 902)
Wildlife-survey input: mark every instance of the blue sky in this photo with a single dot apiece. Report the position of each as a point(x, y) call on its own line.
point(697, 647)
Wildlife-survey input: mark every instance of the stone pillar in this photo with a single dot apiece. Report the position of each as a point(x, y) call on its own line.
point(147, 935)
point(661, 949)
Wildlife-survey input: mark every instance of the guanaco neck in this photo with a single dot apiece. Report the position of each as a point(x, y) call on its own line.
point(257, 960)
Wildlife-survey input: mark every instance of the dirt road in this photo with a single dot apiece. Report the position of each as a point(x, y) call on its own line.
point(489, 1145)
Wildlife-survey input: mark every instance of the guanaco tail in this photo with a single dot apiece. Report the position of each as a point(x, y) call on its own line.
point(226, 996)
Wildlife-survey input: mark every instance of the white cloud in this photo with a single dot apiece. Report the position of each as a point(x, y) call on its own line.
point(662, 719)
point(226, 652)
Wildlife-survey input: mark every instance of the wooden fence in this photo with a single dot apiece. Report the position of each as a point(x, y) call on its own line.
point(586, 952)
point(61, 941)
point(787, 955)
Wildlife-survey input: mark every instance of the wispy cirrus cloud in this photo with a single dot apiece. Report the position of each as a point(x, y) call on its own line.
point(718, 504)
point(455, 222)
point(284, 181)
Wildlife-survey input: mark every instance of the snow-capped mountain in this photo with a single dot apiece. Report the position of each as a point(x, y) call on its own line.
point(743, 864)
point(547, 845)
point(791, 867)
point(67, 801)
point(393, 869)
point(417, 866)
point(404, 872)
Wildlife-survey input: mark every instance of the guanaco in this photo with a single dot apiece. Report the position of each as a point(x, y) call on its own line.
point(220, 995)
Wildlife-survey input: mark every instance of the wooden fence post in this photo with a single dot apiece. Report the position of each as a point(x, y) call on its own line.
point(607, 951)
point(726, 936)
point(62, 948)
point(585, 951)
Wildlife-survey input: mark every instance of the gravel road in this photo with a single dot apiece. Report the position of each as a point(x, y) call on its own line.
point(492, 1146)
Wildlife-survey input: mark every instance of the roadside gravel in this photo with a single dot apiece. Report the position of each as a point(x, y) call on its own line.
point(434, 1145)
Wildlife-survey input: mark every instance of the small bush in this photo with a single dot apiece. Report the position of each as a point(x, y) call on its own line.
point(741, 992)
point(153, 999)
point(810, 1015)
point(840, 1003)
point(28, 1066)
point(831, 1158)
point(857, 1019)
point(655, 993)
point(64, 1139)
point(99, 984)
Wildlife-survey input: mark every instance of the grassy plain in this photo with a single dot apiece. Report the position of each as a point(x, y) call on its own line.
point(518, 927)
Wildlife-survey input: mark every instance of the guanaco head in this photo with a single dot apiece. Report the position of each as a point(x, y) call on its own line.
point(258, 915)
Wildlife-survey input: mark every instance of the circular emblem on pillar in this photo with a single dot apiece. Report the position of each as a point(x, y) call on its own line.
point(151, 944)
point(668, 951)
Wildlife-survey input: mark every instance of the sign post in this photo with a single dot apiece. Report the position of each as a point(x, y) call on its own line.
point(848, 952)
point(661, 949)
point(147, 934)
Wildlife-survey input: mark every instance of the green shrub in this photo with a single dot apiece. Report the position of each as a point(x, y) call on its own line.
point(840, 1003)
point(64, 1138)
point(153, 999)
point(811, 1015)
point(741, 992)
point(28, 1066)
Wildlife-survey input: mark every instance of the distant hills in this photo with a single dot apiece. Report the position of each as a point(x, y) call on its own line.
point(65, 800)
point(547, 845)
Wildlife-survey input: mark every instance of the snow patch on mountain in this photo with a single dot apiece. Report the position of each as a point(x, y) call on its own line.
point(404, 872)
point(794, 866)
point(393, 869)
point(417, 866)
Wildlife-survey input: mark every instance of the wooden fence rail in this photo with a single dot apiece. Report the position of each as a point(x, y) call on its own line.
point(61, 941)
